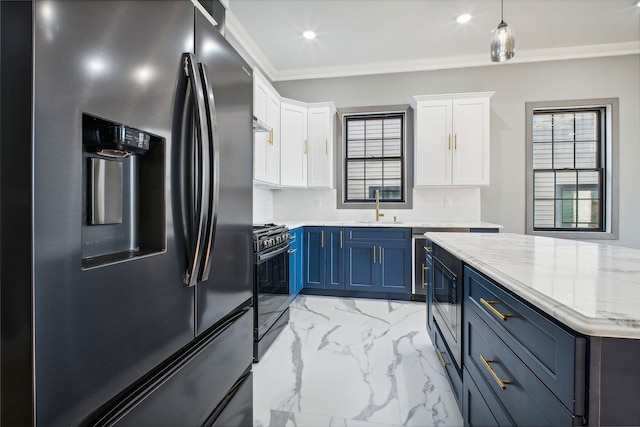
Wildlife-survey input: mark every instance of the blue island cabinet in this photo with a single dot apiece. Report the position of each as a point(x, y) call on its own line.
point(323, 258)
point(295, 262)
point(378, 260)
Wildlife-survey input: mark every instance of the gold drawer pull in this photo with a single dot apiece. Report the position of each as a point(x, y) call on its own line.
point(424, 270)
point(440, 353)
point(501, 383)
point(489, 305)
point(429, 250)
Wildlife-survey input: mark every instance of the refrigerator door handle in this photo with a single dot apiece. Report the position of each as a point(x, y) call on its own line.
point(201, 170)
point(213, 179)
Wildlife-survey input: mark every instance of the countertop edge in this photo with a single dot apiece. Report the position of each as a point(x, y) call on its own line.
point(609, 328)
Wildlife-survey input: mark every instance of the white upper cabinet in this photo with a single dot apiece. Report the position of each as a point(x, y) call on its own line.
point(266, 150)
point(320, 136)
point(293, 144)
point(452, 139)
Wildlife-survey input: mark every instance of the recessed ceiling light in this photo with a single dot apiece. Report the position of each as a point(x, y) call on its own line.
point(462, 19)
point(309, 35)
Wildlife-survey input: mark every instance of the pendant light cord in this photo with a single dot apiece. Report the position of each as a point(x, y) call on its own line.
point(501, 10)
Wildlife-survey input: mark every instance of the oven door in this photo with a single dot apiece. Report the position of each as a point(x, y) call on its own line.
point(271, 288)
point(447, 308)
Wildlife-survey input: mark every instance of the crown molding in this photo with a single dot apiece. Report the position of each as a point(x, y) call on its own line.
point(442, 63)
point(463, 61)
point(235, 28)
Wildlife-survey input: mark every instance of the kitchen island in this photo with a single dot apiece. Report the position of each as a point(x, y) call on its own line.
point(547, 323)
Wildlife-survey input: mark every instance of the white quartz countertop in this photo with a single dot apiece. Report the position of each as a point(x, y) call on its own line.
point(592, 288)
point(406, 224)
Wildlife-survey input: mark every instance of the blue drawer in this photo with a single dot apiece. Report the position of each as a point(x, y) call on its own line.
point(553, 354)
point(480, 407)
point(524, 397)
point(374, 234)
point(445, 359)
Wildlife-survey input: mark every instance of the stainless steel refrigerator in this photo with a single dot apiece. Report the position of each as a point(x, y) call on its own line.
point(125, 216)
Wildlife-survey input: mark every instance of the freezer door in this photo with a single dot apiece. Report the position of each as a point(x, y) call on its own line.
point(100, 328)
point(200, 387)
point(231, 273)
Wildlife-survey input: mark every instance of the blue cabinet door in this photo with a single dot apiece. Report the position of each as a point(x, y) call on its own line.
point(323, 258)
point(395, 267)
point(334, 257)
point(361, 266)
point(315, 258)
point(295, 263)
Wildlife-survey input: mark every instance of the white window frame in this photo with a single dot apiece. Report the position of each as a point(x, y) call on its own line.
point(610, 166)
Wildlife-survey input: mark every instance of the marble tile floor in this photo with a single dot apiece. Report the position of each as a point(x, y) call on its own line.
point(353, 362)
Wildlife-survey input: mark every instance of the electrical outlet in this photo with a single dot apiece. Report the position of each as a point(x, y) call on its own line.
point(448, 201)
point(318, 201)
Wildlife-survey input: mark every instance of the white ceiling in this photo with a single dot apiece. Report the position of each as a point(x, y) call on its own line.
point(356, 37)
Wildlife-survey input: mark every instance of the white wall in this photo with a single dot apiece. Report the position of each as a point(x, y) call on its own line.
point(262, 205)
point(503, 202)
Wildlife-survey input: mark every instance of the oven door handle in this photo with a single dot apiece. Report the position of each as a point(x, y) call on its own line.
point(273, 254)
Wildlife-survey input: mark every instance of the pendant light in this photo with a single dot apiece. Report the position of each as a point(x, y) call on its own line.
point(503, 42)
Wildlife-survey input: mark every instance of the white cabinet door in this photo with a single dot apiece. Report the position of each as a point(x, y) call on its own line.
point(452, 139)
point(274, 144)
point(266, 145)
point(471, 141)
point(433, 143)
point(320, 137)
point(294, 145)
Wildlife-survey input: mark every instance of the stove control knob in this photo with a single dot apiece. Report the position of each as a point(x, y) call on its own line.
point(271, 242)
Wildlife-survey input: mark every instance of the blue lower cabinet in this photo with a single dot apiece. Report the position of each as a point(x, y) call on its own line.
point(323, 256)
point(492, 364)
point(295, 262)
point(378, 260)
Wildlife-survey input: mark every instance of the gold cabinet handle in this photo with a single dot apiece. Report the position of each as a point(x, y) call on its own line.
point(340, 239)
point(440, 353)
point(449, 145)
point(455, 141)
point(374, 254)
point(305, 146)
point(326, 146)
point(501, 383)
point(271, 137)
point(322, 238)
point(489, 305)
point(424, 271)
point(429, 250)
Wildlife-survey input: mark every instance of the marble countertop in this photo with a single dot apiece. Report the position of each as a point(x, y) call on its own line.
point(442, 225)
point(592, 288)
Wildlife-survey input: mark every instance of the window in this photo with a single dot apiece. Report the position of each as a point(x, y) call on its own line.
point(374, 158)
point(571, 158)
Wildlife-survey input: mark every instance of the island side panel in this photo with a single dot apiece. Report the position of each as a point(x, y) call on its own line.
point(614, 382)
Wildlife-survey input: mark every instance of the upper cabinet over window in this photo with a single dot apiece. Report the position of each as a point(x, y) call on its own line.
point(452, 139)
point(266, 149)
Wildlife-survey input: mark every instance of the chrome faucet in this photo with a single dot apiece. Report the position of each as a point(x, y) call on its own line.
point(378, 214)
